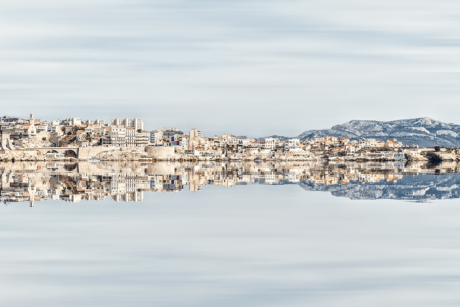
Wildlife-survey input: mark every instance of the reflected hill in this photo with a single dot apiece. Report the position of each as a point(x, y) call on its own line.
point(421, 188)
point(127, 181)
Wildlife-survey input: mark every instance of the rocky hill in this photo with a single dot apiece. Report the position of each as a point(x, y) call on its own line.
point(425, 132)
point(421, 188)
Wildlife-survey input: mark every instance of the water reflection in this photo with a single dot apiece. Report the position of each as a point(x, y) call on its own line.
point(74, 182)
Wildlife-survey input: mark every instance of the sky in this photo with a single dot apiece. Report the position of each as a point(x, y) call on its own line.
point(249, 67)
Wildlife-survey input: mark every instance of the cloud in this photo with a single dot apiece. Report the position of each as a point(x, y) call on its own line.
point(247, 67)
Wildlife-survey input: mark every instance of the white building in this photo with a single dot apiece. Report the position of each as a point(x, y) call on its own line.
point(32, 130)
point(117, 136)
point(95, 122)
point(366, 143)
point(130, 137)
point(185, 142)
point(141, 139)
point(156, 138)
point(292, 145)
point(41, 128)
point(57, 129)
point(121, 136)
point(135, 123)
point(315, 140)
point(73, 121)
point(270, 143)
point(195, 133)
point(244, 142)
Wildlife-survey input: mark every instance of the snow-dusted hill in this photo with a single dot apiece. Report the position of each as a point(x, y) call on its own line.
point(425, 132)
point(410, 188)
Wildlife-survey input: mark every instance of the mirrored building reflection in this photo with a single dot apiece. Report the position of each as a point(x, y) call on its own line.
point(128, 181)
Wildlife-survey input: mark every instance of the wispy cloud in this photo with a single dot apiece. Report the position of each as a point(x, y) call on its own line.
point(252, 67)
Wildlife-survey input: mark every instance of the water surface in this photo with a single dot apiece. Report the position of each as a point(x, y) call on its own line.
point(278, 235)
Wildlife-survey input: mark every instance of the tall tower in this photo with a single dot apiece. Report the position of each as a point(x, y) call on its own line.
point(31, 120)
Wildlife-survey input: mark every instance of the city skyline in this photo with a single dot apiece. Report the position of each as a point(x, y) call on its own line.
point(229, 153)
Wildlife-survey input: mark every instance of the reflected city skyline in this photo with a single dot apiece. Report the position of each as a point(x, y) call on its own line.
point(128, 181)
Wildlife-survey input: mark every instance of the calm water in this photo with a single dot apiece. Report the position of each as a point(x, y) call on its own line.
point(280, 235)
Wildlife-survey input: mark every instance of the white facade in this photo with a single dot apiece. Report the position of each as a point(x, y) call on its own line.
point(156, 138)
point(244, 142)
point(96, 122)
point(370, 142)
point(73, 121)
point(195, 133)
point(318, 140)
point(270, 143)
point(117, 136)
point(130, 137)
point(366, 143)
point(41, 128)
point(141, 139)
point(56, 129)
point(185, 143)
point(121, 136)
point(292, 145)
point(135, 123)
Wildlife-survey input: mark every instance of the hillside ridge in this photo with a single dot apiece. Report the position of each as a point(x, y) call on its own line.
point(422, 131)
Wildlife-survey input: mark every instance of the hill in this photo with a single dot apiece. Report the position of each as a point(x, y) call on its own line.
point(425, 132)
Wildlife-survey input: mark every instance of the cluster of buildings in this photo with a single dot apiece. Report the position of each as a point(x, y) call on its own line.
point(128, 181)
point(19, 133)
point(72, 132)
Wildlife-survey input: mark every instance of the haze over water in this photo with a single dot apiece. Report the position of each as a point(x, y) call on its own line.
point(380, 234)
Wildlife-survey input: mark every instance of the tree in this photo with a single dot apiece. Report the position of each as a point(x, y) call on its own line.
point(437, 148)
point(44, 139)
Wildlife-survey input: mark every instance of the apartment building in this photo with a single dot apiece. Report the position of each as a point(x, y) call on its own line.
point(292, 145)
point(130, 137)
point(73, 121)
point(330, 140)
point(185, 141)
point(195, 133)
point(141, 139)
point(366, 142)
point(244, 142)
point(121, 136)
point(169, 132)
point(137, 124)
point(344, 140)
point(270, 143)
point(233, 142)
point(117, 136)
point(95, 122)
point(156, 138)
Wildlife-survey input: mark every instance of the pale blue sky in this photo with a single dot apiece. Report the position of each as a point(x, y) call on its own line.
point(246, 67)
